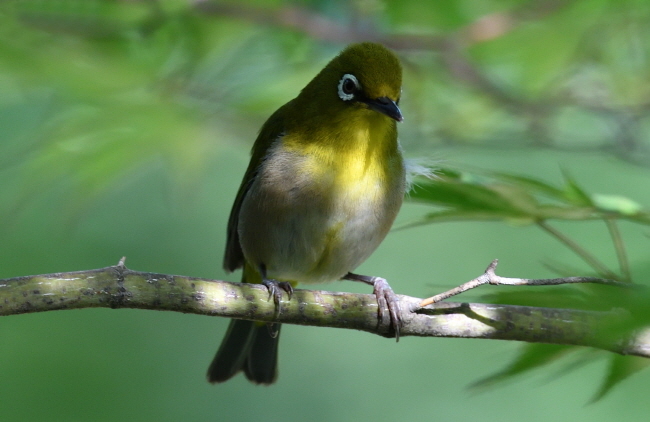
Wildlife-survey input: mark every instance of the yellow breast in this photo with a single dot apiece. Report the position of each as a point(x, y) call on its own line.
point(357, 161)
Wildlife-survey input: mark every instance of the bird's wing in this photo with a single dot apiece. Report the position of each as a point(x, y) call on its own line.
point(271, 132)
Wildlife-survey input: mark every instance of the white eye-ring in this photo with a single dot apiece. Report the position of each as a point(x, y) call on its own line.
point(348, 85)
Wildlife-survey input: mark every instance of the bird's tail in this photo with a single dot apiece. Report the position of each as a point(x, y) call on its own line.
point(248, 346)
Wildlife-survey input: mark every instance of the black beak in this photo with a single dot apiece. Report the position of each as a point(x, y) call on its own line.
point(385, 106)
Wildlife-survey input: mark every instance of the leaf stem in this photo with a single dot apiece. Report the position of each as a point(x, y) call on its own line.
point(579, 250)
point(619, 246)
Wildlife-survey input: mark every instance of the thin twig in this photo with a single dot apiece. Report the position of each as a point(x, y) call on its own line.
point(489, 277)
point(579, 250)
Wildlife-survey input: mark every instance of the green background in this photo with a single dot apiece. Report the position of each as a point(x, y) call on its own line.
point(125, 129)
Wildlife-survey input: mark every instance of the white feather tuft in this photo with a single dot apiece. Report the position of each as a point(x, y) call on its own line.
point(417, 168)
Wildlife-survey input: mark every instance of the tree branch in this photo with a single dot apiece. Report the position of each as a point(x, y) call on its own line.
point(118, 287)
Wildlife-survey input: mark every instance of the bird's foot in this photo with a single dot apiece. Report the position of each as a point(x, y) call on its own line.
point(275, 290)
point(387, 300)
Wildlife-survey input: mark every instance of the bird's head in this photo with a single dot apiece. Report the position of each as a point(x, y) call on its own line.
point(364, 77)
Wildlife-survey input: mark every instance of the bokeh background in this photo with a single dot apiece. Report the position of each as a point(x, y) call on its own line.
point(124, 131)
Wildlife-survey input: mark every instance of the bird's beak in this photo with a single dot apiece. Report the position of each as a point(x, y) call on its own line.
point(385, 106)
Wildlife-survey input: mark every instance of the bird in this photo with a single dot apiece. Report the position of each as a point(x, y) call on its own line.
point(325, 182)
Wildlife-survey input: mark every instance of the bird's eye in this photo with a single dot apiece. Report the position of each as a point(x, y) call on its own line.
point(348, 85)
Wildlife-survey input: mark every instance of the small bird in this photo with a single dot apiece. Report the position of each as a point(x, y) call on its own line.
point(323, 187)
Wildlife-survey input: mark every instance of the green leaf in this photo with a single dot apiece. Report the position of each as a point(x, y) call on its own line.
point(532, 356)
point(516, 199)
point(620, 368)
point(574, 192)
point(532, 185)
point(500, 196)
point(464, 193)
point(616, 203)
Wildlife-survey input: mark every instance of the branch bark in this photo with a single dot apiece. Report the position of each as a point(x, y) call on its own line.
point(119, 287)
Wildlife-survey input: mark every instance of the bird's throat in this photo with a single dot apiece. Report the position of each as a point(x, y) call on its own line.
point(356, 157)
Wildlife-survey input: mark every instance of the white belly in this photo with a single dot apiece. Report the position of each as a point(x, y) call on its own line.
point(308, 227)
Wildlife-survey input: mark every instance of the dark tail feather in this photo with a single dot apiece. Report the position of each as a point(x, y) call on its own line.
point(247, 346)
point(233, 351)
point(262, 363)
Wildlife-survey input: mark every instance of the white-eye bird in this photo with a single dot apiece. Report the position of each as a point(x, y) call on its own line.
point(323, 187)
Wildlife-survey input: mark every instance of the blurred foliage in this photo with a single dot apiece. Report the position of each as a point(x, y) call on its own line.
point(93, 93)
point(519, 200)
point(107, 85)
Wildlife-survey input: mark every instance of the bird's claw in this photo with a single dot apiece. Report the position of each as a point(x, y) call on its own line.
point(388, 303)
point(275, 291)
point(387, 300)
point(274, 329)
